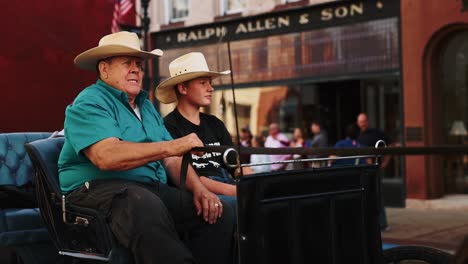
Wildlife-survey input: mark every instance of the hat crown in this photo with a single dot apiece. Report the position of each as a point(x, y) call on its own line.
point(122, 38)
point(191, 62)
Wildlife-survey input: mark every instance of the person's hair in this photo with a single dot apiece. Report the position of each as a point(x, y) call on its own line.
point(247, 130)
point(352, 131)
point(260, 140)
point(107, 60)
point(318, 122)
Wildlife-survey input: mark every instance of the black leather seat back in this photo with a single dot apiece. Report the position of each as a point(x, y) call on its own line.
point(44, 155)
point(86, 230)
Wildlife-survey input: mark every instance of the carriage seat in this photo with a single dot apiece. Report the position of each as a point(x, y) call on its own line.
point(20, 221)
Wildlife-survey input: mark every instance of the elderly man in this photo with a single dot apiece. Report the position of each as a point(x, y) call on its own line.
point(116, 158)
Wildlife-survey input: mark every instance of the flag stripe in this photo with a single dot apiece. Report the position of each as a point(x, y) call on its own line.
point(121, 8)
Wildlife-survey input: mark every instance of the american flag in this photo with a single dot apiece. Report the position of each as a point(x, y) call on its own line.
point(121, 9)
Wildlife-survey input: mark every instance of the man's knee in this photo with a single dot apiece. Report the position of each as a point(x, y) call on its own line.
point(141, 201)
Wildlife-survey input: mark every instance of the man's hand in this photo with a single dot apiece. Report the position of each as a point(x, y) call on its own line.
point(184, 144)
point(208, 204)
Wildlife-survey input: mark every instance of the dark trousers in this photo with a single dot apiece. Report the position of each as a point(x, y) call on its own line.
point(158, 223)
point(383, 214)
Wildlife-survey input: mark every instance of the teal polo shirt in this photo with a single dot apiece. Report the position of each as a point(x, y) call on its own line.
point(101, 112)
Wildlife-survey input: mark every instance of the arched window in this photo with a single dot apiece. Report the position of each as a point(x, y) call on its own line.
point(454, 82)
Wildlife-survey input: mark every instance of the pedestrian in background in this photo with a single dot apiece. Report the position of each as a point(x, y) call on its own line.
point(319, 140)
point(245, 141)
point(258, 142)
point(298, 141)
point(368, 137)
point(276, 139)
point(352, 132)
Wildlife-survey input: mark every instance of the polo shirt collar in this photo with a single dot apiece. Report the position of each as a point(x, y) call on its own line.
point(122, 96)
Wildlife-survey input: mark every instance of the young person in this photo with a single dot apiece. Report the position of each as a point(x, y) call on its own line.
point(190, 85)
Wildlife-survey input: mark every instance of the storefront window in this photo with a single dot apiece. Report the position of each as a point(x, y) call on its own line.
point(454, 103)
point(454, 61)
point(177, 10)
point(359, 48)
point(233, 6)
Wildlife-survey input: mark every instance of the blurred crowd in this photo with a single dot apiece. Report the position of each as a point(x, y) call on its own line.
point(357, 134)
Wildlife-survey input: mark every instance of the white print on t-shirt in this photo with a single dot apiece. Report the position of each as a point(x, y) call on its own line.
point(199, 165)
point(215, 164)
point(208, 155)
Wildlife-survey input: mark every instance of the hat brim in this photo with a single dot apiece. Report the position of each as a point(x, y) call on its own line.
point(87, 60)
point(165, 90)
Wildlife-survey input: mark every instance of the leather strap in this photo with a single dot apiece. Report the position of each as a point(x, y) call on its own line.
point(183, 170)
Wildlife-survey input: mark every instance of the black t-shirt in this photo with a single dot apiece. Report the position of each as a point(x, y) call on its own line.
point(371, 136)
point(211, 131)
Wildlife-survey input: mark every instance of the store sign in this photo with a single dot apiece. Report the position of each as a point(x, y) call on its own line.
point(311, 17)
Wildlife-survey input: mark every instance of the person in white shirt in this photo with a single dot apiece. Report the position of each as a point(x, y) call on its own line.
point(277, 140)
point(258, 142)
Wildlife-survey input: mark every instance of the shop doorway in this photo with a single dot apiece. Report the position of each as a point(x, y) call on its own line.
point(335, 104)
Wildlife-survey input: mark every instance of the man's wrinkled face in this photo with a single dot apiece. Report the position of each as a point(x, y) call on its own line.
point(124, 73)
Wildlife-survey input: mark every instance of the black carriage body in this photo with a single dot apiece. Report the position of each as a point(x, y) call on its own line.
point(325, 215)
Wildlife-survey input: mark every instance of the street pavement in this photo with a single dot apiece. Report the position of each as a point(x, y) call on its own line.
point(440, 223)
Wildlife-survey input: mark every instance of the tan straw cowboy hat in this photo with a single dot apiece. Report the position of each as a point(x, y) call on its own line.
point(186, 67)
point(122, 43)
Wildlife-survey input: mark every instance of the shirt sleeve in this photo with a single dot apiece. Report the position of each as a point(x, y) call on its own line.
point(165, 134)
point(87, 123)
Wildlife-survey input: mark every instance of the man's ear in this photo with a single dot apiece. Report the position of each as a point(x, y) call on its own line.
point(102, 68)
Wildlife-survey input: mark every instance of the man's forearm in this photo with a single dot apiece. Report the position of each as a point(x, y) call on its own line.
point(113, 154)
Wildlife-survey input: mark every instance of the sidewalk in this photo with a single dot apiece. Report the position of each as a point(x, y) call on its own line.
point(440, 223)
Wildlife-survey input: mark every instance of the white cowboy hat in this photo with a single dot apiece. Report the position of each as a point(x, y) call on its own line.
point(186, 67)
point(122, 43)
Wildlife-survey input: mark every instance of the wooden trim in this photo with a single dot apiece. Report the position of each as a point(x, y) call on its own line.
point(227, 16)
point(291, 4)
point(173, 25)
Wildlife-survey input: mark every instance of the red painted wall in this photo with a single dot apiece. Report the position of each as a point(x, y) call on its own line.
point(421, 20)
point(40, 39)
